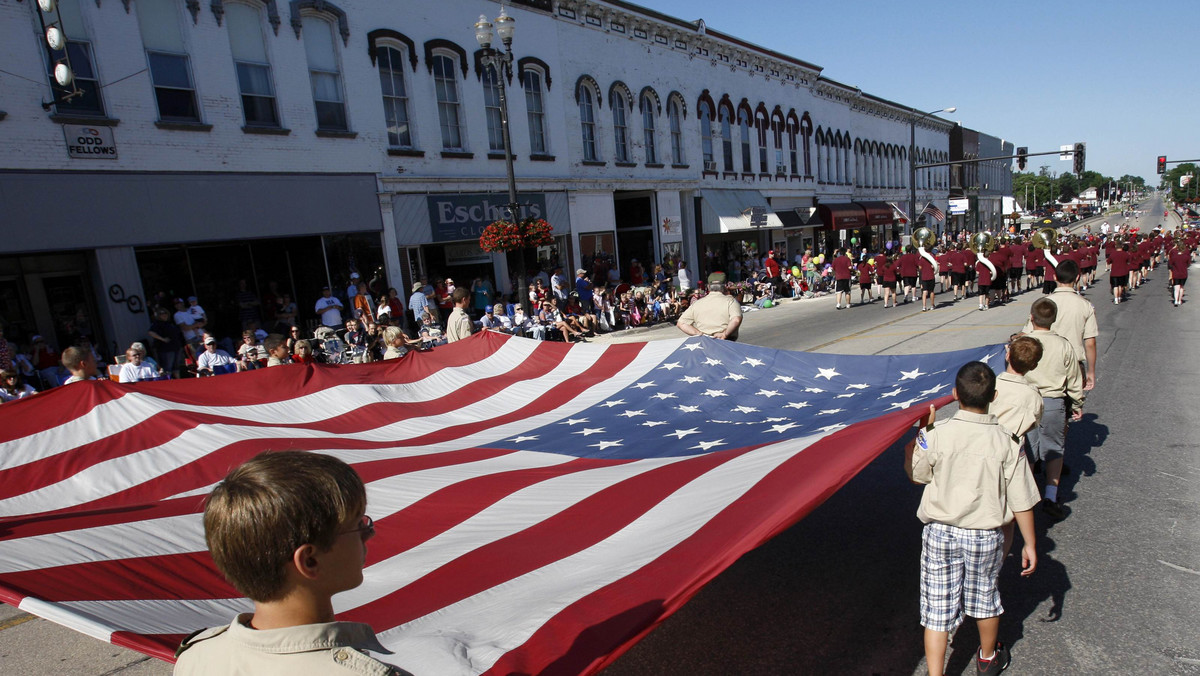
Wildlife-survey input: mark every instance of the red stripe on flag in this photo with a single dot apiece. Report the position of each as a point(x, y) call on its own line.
point(175, 577)
point(594, 631)
point(161, 646)
point(575, 528)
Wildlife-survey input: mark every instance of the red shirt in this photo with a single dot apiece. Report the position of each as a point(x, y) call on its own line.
point(1119, 260)
point(958, 261)
point(888, 270)
point(983, 274)
point(1016, 255)
point(772, 267)
point(926, 269)
point(908, 265)
point(841, 267)
point(1179, 263)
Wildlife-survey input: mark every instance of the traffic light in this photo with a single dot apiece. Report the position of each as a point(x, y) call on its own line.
point(1162, 164)
point(1021, 153)
point(1079, 162)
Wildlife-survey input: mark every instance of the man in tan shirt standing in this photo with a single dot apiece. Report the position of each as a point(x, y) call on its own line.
point(1076, 320)
point(459, 324)
point(976, 480)
point(716, 315)
point(1060, 382)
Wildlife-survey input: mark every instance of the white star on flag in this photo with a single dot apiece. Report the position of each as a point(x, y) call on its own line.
point(715, 393)
point(846, 396)
point(829, 411)
point(774, 420)
point(904, 404)
point(630, 414)
point(589, 431)
point(671, 365)
point(691, 347)
point(912, 375)
point(643, 385)
point(786, 379)
point(827, 374)
point(705, 445)
point(768, 393)
point(831, 428)
point(857, 386)
point(663, 395)
point(654, 423)
point(935, 389)
point(614, 402)
point(814, 390)
point(797, 404)
point(735, 376)
point(893, 393)
point(606, 444)
point(679, 434)
point(531, 437)
point(688, 409)
point(781, 428)
point(712, 362)
point(746, 409)
point(690, 379)
point(753, 362)
point(573, 421)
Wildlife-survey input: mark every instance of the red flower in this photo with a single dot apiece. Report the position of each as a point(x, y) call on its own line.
point(510, 236)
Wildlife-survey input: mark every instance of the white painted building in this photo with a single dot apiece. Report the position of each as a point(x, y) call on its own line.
point(296, 142)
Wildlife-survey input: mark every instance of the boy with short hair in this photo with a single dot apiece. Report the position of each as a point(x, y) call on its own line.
point(289, 530)
point(976, 480)
point(277, 350)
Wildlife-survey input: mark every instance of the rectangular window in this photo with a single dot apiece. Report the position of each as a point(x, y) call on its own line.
point(587, 124)
point(447, 99)
point(324, 74)
point(620, 129)
point(677, 134)
point(170, 70)
point(395, 97)
point(535, 107)
point(491, 108)
point(648, 131)
point(79, 48)
point(257, 90)
point(726, 141)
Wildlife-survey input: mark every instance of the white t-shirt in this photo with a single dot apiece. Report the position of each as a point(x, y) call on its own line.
point(685, 282)
point(558, 281)
point(133, 374)
point(185, 317)
point(330, 310)
point(197, 312)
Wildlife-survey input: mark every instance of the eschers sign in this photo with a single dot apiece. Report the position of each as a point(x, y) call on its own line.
point(458, 217)
point(89, 143)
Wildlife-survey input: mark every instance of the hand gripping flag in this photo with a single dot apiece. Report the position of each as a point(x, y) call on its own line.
point(539, 506)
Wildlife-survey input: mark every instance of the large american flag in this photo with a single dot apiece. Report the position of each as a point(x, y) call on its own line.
point(540, 506)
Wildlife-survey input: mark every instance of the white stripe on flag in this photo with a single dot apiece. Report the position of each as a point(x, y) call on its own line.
point(469, 636)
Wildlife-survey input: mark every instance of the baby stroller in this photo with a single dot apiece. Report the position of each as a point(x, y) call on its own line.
point(330, 348)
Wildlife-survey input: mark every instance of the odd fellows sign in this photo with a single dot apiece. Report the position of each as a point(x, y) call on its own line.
point(460, 217)
point(90, 143)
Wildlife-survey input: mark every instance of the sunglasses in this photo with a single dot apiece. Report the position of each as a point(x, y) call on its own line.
point(366, 528)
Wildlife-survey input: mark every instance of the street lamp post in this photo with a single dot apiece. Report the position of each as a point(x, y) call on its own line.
point(912, 165)
point(499, 61)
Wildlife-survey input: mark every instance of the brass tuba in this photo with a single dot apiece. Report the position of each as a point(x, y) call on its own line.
point(924, 237)
point(1045, 238)
point(982, 242)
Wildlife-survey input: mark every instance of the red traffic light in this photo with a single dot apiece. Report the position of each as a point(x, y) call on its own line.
point(1162, 164)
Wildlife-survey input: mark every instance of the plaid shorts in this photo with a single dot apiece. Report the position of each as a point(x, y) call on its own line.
point(959, 567)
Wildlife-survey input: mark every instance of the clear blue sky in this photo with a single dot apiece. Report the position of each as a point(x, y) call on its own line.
point(1038, 73)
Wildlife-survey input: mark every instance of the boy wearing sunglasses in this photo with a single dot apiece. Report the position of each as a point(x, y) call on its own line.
point(289, 530)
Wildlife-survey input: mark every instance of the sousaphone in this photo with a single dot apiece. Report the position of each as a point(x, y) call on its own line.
point(1047, 239)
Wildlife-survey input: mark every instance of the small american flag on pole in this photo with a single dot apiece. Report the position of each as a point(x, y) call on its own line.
point(539, 506)
point(932, 210)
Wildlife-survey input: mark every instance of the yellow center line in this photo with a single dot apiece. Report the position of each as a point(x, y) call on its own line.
point(14, 621)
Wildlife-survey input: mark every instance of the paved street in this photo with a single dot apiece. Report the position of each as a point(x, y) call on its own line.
point(1118, 581)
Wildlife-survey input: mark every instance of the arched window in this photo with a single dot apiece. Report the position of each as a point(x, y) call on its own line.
point(839, 155)
point(257, 88)
point(793, 130)
point(706, 136)
point(726, 114)
point(395, 96)
point(647, 111)
point(535, 109)
point(587, 123)
point(818, 142)
point(762, 125)
point(675, 120)
point(847, 176)
point(616, 99)
point(806, 130)
point(744, 133)
point(449, 109)
point(324, 73)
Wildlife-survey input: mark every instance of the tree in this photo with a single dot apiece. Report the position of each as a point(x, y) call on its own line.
point(1137, 181)
point(1067, 187)
point(1093, 179)
point(1170, 181)
point(1039, 188)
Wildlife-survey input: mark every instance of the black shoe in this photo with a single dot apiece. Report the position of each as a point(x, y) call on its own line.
point(997, 664)
point(1055, 511)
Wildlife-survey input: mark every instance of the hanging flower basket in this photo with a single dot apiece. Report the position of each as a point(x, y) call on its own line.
point(513, 236)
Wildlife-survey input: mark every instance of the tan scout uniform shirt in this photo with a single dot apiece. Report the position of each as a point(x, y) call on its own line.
point(712, 313)
point(1018, 405)
point(330, 649)
point(1076, 319)
point(974, 471)
point(1057, 374)
point(458, 326)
